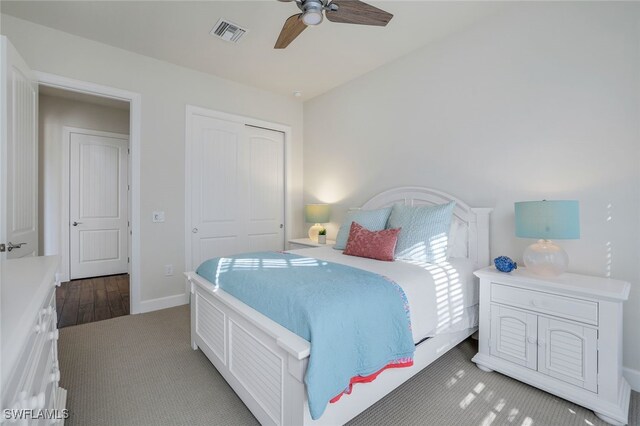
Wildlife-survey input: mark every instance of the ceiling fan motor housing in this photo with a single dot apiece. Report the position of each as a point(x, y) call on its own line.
point(312, 11)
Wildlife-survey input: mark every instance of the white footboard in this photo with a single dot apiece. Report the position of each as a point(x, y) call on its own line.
point(265, 363)
point(262, 361)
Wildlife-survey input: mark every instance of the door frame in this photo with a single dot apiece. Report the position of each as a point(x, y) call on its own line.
point(192, 110)
point(135, 126)
point(65, 214)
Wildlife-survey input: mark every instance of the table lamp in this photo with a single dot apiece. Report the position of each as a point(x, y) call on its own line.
point(317, 214)
point(545, 220)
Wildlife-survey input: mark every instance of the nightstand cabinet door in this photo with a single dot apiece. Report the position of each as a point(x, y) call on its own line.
point(513, 336)
point(568, 352)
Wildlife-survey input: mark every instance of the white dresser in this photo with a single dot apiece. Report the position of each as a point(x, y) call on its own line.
point(561, 334)
point(30, 370)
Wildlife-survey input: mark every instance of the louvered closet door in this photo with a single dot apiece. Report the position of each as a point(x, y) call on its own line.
point(568, 352)
point(513, 336)
point(237, 189)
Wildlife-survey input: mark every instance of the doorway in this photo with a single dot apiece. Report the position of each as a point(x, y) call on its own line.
point(84, 202)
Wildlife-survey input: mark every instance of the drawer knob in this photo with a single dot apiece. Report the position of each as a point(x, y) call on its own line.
point(531, 339)
point(37, 402)
point(533, 303)
point(54, 335)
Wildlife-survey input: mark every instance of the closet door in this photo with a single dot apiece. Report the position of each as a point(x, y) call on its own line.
point(237, 188)
point(265, 225)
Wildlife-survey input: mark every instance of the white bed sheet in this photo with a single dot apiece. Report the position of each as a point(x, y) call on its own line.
point(443, 298)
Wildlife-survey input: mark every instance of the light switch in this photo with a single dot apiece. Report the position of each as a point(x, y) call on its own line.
point(158, 216)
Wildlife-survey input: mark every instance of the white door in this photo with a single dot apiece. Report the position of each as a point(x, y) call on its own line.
point(98, 203)
point(237, 188)
point(265, 226)
point(19, 155)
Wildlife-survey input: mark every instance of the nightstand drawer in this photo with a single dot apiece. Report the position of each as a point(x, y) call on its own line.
point(553, 304)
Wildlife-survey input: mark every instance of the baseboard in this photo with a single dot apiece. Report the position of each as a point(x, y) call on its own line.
point(164, 302)
point(633, 377)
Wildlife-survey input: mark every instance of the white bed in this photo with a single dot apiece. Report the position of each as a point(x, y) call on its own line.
point(265, 363)
point(442, 298)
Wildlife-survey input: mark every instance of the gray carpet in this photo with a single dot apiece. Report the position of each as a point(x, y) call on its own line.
point(140, 370)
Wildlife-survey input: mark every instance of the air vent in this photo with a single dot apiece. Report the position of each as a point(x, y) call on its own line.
point(228, 31)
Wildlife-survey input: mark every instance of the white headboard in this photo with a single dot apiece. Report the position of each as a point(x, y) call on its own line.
point(474, 220)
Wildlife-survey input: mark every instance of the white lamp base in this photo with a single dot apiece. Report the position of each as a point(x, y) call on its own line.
point(313, 232)
point(545, 258)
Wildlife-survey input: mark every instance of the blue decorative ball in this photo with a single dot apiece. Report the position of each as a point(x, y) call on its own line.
point(505, 264)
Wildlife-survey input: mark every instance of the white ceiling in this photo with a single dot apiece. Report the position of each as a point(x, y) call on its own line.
point(319, 59)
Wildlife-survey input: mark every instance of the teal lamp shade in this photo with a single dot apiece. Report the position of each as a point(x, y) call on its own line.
point(317, 213)
point(546, 220)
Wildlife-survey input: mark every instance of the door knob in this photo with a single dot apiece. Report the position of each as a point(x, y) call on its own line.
point(12, 246)
point(76, 223)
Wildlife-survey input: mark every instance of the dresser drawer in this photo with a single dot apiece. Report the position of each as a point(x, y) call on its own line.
point(27, 387)
point(566, 307)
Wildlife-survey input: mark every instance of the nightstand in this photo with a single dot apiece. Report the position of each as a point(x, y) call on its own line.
point(561, 334)
point(302, 243)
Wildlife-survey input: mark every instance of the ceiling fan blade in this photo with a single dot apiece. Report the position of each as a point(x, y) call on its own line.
point(291, 29)
point(357, 12)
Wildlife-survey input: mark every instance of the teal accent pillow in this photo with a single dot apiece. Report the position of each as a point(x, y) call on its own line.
point(373, 220)
point(425, 231)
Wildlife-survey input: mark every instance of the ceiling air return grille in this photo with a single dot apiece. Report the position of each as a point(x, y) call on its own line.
point(228, 31)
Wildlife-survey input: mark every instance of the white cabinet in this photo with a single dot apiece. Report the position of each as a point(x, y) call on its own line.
point(562, 335)
point(29, 341)
point(303, 243)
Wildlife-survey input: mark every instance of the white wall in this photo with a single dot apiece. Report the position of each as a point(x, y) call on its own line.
point(165, 90)
point(55, 113)
point(540, 102)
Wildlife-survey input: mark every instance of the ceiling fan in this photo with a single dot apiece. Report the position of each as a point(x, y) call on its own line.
point(342, 11)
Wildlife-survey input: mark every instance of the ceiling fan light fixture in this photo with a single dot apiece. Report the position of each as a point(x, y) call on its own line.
point(312, 16)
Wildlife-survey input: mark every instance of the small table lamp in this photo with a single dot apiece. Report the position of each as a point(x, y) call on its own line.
point(316, 213)
point(544, 220)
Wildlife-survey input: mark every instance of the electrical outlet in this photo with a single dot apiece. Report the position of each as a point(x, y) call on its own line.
point(158, 217)
point(168, 270)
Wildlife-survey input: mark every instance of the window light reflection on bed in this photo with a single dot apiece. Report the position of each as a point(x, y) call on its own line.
point(227, 264)
point(448, 292)
point(437, 247)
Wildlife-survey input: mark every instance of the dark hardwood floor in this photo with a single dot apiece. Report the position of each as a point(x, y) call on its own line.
point(92, 299)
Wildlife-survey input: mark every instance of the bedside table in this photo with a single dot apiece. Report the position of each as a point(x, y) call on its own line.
point(561, 334)
point(302, 243)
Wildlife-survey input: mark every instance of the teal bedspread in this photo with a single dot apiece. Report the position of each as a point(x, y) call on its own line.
point(356, 321)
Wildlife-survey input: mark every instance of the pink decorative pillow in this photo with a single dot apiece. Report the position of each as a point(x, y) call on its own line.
point(378, 245)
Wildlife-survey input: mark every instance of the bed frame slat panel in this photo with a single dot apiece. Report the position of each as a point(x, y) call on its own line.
point(258, 368)
point(210, 326)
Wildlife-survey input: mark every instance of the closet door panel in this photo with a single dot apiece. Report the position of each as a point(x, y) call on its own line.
point(217, 207)
point(265, 225)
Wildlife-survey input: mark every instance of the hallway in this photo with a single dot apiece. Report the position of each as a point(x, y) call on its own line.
point(92, 299)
